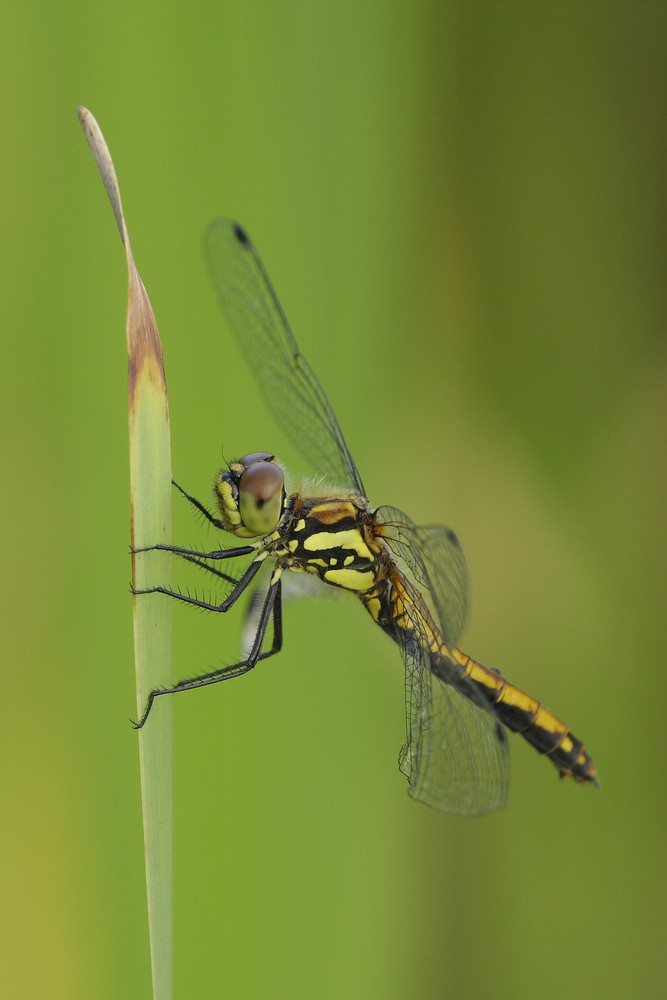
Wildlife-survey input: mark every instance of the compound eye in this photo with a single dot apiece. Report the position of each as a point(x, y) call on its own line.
point(254, 457)
point(261, 490)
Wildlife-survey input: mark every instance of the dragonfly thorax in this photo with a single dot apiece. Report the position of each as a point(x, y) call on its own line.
point(335, 537)
point(251, 495)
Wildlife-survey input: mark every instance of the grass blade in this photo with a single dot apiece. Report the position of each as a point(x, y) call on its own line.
point(150, 488)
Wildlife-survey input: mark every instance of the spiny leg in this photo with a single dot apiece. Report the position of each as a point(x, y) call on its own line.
point(225, 605)
point(242, 550)
point(200, 506)
point(211, 569)
point(272, 609)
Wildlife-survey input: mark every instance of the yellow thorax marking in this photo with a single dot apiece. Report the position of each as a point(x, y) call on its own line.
point(350, 539)
point(351, 579)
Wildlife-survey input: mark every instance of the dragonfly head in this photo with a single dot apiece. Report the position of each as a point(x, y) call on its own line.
point(251, 495)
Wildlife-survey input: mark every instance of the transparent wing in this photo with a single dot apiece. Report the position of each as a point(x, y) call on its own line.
point(435, 561)
point(289, 384)
point(455, 756)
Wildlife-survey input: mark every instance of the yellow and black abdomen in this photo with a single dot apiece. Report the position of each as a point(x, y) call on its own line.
point(524, 715)
point(402, 613)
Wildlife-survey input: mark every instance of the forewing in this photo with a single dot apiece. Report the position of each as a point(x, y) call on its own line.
point(289, 384)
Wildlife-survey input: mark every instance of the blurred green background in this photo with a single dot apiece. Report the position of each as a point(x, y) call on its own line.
point(462, 207)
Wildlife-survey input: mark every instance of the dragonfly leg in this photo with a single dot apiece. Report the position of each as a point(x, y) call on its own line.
point(225, 605)
point(211, 569)
point(272, 609)
point(200, 506)
point(242, 550)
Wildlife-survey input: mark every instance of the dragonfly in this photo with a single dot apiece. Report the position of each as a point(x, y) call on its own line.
point(412, 580)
